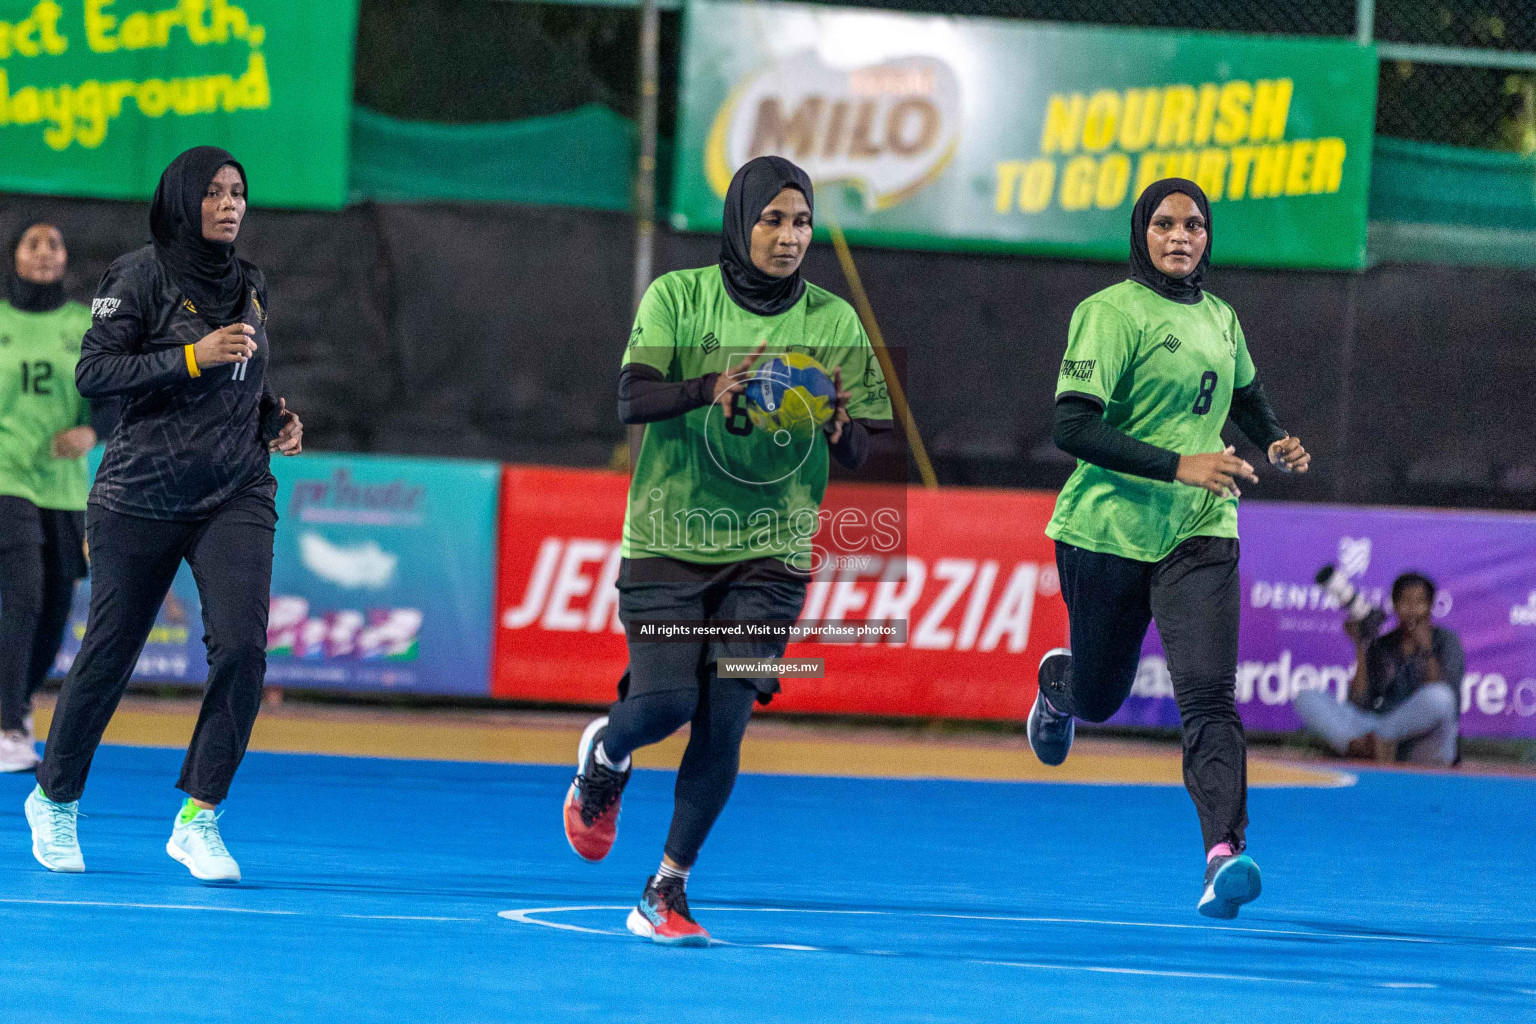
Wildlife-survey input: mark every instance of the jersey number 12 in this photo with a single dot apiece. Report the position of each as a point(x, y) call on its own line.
point(35, 377)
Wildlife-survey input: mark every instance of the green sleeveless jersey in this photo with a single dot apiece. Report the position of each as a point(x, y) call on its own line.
point(38, 352)
point(709, 486)
point(1164, 373)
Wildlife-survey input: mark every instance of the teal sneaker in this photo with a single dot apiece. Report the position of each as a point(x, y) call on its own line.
point(54, 840)
point(197, 844)
point(1229, 883)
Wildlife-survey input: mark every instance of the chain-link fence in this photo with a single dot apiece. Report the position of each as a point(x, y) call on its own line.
point(1459, 74)
point(1290, 17)
point(1508, 25)
point(1484, 108)
point(466, 61)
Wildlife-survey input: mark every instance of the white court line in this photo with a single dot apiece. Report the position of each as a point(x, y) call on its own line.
point(1145, 972)
point(395, 917)
point(523, 917)
point(225, 910)
point(153, 906)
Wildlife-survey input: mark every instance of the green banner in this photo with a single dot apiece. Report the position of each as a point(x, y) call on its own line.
point(973, 133)
point(97, 96)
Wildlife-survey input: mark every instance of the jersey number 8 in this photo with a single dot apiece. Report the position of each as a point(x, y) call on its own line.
point(736, 421)
point(1207, 391)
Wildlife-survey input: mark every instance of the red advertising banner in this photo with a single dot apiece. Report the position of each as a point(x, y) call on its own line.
point(979, 594)
point(980, 597)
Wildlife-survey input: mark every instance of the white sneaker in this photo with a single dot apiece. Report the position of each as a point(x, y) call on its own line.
point(27, 726)
point(54, 842)
point(17, 754)
point(198, 845)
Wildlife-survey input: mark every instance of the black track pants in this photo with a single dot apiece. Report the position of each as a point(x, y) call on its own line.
point(133, 561)
point(37, 585)
point(1196, 599)
point(21, 607)
point(719, 712)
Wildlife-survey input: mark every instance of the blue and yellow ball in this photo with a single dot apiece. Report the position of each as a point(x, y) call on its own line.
point(790, 392)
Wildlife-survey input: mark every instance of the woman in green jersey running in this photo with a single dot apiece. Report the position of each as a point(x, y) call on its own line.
point(44, 434)
point(1146, 528)
point(721, 514)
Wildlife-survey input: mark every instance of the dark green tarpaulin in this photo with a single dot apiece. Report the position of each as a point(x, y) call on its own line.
point(1446, 204)
point(582, 157)
point(1422, 183)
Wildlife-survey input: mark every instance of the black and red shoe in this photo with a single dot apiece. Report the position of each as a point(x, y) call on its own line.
point(592, 802)
point(662, 915)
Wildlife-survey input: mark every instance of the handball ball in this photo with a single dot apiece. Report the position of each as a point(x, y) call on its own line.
point(789, 391)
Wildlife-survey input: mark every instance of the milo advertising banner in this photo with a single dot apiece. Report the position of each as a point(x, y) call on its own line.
point(973, 133)
point(97, 96)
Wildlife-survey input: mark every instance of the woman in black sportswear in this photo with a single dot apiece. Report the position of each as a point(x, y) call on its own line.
point(179, 337)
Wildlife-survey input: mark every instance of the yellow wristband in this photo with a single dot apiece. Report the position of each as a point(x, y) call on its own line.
point(192, 363)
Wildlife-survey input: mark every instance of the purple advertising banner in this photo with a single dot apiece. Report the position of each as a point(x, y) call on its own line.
point(1292, 639)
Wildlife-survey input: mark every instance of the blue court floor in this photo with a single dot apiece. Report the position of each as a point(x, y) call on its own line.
point(419, 891)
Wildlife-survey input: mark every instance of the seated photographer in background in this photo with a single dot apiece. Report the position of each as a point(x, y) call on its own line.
point(1405, 688)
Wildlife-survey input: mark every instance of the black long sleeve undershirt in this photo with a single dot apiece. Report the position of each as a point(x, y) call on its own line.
point(1078, 429)
point(645, 397)
point(1254, 416)
point(853, 448)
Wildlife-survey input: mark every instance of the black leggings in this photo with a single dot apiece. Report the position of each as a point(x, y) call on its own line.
point(37, 586)
point(1196, 599)
point(719, 712)
point(133, 561)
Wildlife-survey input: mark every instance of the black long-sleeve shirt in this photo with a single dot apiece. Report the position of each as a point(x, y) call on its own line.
point(188, 438)
point(1078, 429)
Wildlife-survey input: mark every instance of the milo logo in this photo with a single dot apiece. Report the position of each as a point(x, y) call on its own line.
point(888, 129)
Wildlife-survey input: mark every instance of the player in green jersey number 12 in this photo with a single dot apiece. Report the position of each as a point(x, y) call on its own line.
point(45, 433)
point(720, 523)
point(1146, 527)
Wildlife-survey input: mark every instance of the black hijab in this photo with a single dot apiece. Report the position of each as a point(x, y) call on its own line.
point(206, 272)
point(29, 296)
point(1179, 289)
point(752, 189)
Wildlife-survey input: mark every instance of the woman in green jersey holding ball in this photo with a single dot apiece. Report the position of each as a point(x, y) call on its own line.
point(1146, 528)
point(45, 432)
point(723, 505)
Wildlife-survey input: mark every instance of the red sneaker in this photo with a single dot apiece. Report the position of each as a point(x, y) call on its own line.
point(592, 802)
point(662, 916)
